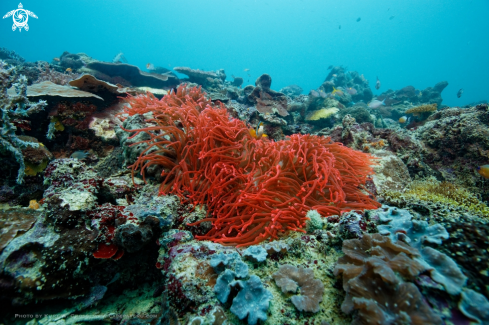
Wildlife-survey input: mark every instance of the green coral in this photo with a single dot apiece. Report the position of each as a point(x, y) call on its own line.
point(442, 194)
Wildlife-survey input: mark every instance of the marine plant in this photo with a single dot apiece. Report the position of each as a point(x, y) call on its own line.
point(254, 189)
point(15, 108)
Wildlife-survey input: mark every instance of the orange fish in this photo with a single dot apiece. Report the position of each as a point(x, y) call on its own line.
point(34, 205)
point(483, 171)
point(69, 70)
point(259, 132)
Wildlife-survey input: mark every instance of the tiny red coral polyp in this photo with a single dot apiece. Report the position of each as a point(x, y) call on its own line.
point(254, 190)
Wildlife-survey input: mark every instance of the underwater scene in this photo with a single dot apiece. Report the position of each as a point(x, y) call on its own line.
point(295, 162)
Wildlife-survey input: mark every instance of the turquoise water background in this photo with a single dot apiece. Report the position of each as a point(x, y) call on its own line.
point(294, 41)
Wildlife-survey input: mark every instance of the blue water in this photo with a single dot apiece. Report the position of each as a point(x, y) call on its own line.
point(294, 41)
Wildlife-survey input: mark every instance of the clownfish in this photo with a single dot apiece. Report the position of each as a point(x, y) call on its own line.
point(259, 132)
point(483, 171)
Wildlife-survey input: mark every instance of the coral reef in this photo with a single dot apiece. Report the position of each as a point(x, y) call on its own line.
point(431, 192)
point(329, 183)
point(430, 95)
point(266, 99)
point(339, 77)
point(15, 108)
point(127, 74)
point(290, 278)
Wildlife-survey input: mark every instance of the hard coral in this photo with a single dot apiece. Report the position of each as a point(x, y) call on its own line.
point(15, 108)
point(422, 109)
point(256, 190)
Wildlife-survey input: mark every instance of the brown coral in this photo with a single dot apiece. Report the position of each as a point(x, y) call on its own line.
point(418, 110)
point(289, 278)
point(15, 221)
point(374, 269)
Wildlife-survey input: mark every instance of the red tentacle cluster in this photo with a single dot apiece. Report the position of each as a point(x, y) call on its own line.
point(254, 190)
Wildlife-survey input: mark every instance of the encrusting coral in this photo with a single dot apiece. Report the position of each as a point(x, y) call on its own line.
point(440, 193)
point(255, 189)
point(14, 110)
point(289, 278)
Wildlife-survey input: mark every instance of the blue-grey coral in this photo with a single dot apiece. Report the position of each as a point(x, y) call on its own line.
point(15, 107)
point(252, 300)
point(256, 253)
point(475, 306)
point(401, 226)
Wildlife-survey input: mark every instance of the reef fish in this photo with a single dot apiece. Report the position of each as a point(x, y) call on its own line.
point(150, 66)
point(403, 119)
point(80, 155)
point(377, 84)
point(337, 92)
point(483, 171)
point(314, 93)
point(460, 92)
point(358, 19)
point(259, 132)
point(351, 91)
point(69, 70)
point(376, 103)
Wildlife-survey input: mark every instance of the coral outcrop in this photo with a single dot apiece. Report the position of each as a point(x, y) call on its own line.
point(15, 108)
point(298, 174)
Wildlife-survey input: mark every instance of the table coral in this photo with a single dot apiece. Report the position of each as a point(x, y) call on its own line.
point(256, 190)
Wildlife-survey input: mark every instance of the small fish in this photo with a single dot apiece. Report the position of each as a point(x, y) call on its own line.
point(339, 27)
point(403, 119)
point(335, 75)
point(358, 19)
point(259, 132)
point(56, 59)
point(460, 92)
point(80, 155)
point(337, 92)
point(483, 171)
point(377, 84)
point(376, 103)
point(322, 94)
point(391, 17)
point(351, 91)
point(246, 70)
point(330, 67)
point(119, 58)
point(34, 205)
point(150, 66)
point(314, 93)
point(69, 70)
